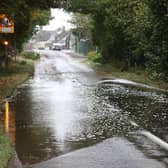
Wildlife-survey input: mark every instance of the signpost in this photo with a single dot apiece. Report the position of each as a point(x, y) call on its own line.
point(6, 24)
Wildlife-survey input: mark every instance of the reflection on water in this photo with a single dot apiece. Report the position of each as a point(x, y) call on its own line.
point(6, 116)
point(8, 121)
point(56, 113)
point(12, 125)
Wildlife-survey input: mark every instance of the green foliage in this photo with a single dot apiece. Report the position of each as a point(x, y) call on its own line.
point(40, 17)
point(131, 31)
point(120, 38)
point(23, 62)
point(5, 150)
point(158, 50)
point(81, 6)
point(20, 67)
point(83, 24)
point(30, 55)
point(95, 57)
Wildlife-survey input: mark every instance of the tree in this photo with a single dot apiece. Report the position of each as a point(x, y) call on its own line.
point(23, 14)
point(133, 31)
point(83, 24)
point(158, 51)
point(118, 29)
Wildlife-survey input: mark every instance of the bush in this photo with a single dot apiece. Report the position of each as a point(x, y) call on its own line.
point(95, 57)
point(23, 62)
point(31, 55)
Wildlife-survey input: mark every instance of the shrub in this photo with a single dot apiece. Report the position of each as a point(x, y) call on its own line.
point(95, 57)
point(31, 55)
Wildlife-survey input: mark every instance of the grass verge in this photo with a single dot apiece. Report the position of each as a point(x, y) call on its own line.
point(18, 72)
point(6, 150)
point(12, 76)
point(114, 70)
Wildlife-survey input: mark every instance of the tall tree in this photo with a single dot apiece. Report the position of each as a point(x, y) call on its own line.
point(158, 53)
point(83, 24)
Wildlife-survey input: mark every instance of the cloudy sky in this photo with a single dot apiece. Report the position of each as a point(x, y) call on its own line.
point(61, 19)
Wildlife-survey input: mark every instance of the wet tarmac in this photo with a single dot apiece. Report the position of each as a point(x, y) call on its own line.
point(66, 106)
point(112, 153)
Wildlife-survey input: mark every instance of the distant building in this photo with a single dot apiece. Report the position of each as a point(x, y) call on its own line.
point(77, 44)
point(66, 39)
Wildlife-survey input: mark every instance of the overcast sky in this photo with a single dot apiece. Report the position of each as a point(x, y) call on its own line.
point(61, 19)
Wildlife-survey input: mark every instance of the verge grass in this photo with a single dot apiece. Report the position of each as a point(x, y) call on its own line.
point(114, 70)
point(10, 77)
point(6, 150)
point(15, 74)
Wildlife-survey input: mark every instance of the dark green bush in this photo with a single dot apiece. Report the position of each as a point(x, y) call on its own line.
point(31, 55)
point(23, 62)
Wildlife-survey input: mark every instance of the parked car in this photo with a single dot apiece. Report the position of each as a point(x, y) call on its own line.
point(41, 48)
point(56, 47)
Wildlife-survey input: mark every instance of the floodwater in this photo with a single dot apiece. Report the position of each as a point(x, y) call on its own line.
point(65, 107)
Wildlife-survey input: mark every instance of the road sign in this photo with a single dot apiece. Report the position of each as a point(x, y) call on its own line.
point(6, 24)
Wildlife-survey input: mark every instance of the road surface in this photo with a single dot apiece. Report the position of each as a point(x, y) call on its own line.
point(67, 117)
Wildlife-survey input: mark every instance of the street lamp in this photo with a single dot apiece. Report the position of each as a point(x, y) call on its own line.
point(6, 43)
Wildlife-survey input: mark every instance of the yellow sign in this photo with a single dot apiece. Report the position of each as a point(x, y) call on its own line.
point(6, 24)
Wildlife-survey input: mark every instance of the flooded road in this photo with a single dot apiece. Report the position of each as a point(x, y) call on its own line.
point(66, 106)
